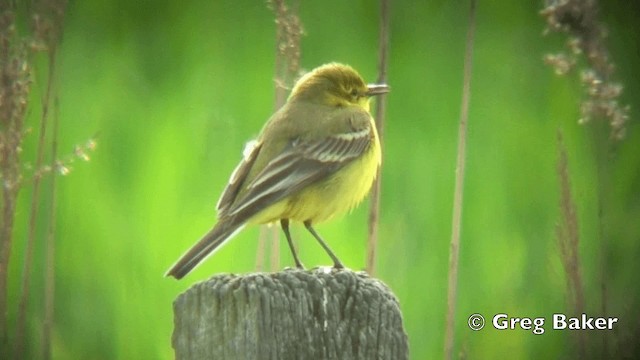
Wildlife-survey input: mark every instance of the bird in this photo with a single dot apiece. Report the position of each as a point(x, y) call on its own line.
point(315, 158)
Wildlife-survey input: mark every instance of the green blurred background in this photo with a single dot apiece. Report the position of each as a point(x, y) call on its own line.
point(175, 89)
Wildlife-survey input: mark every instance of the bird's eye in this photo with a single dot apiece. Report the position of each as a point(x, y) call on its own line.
point(354, 93)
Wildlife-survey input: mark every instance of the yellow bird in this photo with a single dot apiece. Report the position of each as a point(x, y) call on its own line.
point(315, 158)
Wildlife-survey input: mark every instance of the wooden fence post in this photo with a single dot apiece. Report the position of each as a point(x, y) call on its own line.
point(294, 314)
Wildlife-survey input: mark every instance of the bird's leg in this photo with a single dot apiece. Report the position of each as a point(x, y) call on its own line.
point(285, 227)
point(336, 263)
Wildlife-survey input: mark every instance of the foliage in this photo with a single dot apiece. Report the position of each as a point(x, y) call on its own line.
point(175, 90)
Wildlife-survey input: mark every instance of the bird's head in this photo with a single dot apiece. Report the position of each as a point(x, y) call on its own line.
point(336, 85)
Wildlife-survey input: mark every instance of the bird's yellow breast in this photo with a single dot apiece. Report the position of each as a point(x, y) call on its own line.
point(333, 196)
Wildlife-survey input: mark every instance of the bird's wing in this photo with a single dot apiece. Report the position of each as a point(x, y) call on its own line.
point(300, 164)
point(238, 176)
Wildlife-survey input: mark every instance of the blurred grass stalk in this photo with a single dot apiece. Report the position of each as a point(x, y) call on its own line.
point(48, 30)
point(18, 53)
point(287, 66)
point(381, 102)
point(456, 222)
point(15, 86)
point(568, 238)
point(578, 19)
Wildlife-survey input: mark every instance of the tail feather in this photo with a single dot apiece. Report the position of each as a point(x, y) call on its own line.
point(210, 242)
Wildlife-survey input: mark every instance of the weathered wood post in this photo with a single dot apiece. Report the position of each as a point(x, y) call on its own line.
point(295, 314)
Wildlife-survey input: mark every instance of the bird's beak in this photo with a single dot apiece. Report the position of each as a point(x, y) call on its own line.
point(377, 89)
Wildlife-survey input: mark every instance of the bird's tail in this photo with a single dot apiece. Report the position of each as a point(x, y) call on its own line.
point(212, 241)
